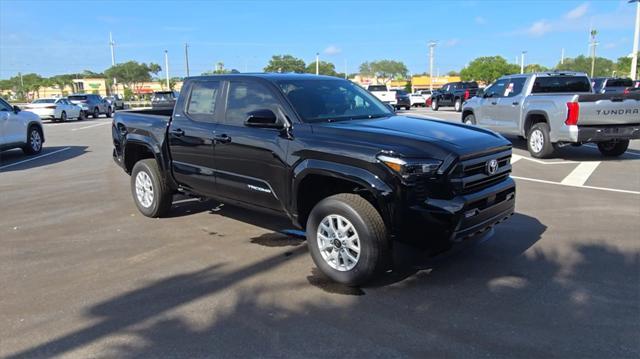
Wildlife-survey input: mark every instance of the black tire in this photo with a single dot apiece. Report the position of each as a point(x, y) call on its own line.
point(33, 145)
point(63, 116)
point(407, 108)
point(469, 119)
point(96, 113)
point(546, 147)
point(613, 148)
point(109, 112)
point(434, 105)
point(457, 105)
point(371, 231)
point(162, 195)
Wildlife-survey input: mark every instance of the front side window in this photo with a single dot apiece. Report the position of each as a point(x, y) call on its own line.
point(245, 97)
point(331, 100)
point(202, 102)
point(4, 106)
point(497, 89)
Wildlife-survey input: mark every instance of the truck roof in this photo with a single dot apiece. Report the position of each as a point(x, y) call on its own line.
point(270, 76)
point(547, 74)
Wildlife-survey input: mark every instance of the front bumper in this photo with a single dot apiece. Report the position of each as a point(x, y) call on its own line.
point(608, 133)
point(464, 216)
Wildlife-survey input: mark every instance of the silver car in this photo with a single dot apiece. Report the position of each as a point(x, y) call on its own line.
point(93, 105)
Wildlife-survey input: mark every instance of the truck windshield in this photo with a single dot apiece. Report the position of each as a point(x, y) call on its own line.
point(561, 84)
point(331, 100)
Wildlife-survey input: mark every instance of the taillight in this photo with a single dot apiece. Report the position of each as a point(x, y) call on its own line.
point(626, 91)
point(573, 111)
point(466, 95)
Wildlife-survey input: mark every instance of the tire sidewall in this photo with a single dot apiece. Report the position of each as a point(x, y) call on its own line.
point(434, 105)
point(96, 113)
point(470, 117)
point(547, 147)
point(153, 209)
point(63, 116)
point(457, 105)
point(368, 247)
point(30, 149)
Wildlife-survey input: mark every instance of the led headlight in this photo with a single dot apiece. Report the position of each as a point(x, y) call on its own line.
point(409, 167)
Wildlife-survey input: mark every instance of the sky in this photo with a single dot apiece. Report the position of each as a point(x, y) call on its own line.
point(55, 37)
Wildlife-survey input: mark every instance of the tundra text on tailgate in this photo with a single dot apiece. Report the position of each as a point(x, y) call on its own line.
point(325, 153)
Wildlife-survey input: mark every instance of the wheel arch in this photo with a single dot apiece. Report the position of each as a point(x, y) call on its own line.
point(532, 118)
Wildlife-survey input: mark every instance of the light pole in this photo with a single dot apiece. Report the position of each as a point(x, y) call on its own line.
point(432, 45)
point(522, 61)
point(345, 69)
point(593, 45)
point(186, 57)
point(113, 59)
point(166, 66)
point(317, 63)
point(636, 35)
point(562, 57)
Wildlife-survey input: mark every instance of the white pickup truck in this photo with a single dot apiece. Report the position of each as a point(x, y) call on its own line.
point(383, 94)
point(555, 109)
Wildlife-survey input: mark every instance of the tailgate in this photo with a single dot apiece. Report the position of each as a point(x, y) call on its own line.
point(609, 109)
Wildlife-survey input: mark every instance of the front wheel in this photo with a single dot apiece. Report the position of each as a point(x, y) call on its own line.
point(347, 239)
point(469, 119)
point(613, 148)
point(457, 106)
point(34, 141)
point(109, 112)
point(434, 105)
point(96, 113)
point(150, 193)
point(63, 116)
point(538, 141)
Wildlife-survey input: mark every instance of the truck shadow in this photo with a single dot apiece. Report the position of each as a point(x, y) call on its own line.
point(491, 300)
point(16, 160)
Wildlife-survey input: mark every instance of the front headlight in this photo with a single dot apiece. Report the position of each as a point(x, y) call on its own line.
point(410, 167)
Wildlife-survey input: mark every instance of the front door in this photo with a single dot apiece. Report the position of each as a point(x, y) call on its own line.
point(191, 137)
point(250, 162)
point(13, 125)
point(490, 100)
point(508, 110)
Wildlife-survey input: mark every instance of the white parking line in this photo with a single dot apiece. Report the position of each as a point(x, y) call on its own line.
point(95, 125)
point(580, 174)
point(35, 158)
point(516, 158)
point(575, 186)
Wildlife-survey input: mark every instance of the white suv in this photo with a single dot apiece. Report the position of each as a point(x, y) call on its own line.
point(20, 129)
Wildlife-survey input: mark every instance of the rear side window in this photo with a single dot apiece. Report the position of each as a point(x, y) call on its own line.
point(561, 84)
point(202, 102)
point(515, 86)
point(377, 88)
point(77, 98)
point(619, 83)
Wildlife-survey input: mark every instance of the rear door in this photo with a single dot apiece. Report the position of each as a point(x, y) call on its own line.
point(191, 134)
point(250, 162)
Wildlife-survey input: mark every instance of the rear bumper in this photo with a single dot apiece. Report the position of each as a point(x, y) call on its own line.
point(608, 133)
point(462, 217)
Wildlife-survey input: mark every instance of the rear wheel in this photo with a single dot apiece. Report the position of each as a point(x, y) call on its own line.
point(34, 141)
point(538, 141)
point(109, 111)
point(347, 239)
point(457, 105)
point(150, 193)
point(613, 148)
point(434, 105)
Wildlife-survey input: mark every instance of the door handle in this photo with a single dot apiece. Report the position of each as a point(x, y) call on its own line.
point(177, 132)
point(223, 138)
point(515, 103)
point(494, 103)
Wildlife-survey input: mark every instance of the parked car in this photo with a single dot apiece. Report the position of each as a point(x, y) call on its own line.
point(556, 109)
point(20, 129)
point(426, 94)
point(326, 154)
point(383, 93)
point(417, 100)
point(403, 100)
point(93, 105)
point(55, 109)
point(163, 99)
point(116, 102)
point(611, 84)
point(453, 94)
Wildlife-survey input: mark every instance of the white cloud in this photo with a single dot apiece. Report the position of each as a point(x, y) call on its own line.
point(480, 20)
point(539, 28)
point(577, 12)
point(332, 50)
point(451, 42)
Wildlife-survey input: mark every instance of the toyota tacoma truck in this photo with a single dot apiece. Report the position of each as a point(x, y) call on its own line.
point(453, 94)
point(322, 151)
point(556, 109)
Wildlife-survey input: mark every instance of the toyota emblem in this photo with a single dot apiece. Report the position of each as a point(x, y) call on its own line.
point(492, 167)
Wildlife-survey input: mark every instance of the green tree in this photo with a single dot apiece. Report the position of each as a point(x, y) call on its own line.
point(324, 68)
point(487, 69)
point(535, 68)
point(453, 73)
point(62, 81)
point(130, 73)
point(385, 69)
point(32, 83)
point(603, 66)
point(285, 63)
point(623, 66)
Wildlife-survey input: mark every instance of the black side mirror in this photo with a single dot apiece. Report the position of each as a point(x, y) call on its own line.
point(263, 118)
point(16, 109)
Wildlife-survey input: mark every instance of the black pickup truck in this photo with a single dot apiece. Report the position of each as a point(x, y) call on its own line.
point(325, 153)
point(453, 94)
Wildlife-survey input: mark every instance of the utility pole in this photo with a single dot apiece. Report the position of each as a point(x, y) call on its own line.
point(432, 45)
point(166, 66)
point(522, 61)
point(345, 69)
point(636, 35)
point(186, 57)
point(593, 45)
point(317, 63)
point(562, 57)
point(113, 58)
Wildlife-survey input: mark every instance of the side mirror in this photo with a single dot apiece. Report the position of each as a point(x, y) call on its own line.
point(264, 118)
point(390, 106)
point(16, 109)
point(480, 93)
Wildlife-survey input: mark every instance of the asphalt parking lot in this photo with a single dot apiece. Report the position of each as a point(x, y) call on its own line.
point(83, 274)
